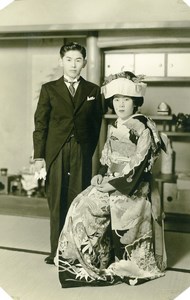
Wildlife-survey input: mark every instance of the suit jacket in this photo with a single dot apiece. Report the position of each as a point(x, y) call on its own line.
point(58, 115)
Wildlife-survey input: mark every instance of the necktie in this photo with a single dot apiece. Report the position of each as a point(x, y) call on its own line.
point(71, 86)
point(72, 89)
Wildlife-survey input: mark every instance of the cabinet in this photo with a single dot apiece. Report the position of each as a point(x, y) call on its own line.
point(118, 62)
point(178, 64)
point(156, 66)
point(150, 64)
point(176, 201)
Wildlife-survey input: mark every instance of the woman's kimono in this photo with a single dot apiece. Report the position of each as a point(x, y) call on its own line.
point(116, 237)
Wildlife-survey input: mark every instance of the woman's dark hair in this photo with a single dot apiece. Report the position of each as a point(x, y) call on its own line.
point(72, 46)
point(137, 101)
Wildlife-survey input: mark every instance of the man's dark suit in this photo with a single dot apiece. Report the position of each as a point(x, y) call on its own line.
point(57, 117)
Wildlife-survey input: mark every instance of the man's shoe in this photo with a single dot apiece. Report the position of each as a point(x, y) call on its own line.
point(49, 260)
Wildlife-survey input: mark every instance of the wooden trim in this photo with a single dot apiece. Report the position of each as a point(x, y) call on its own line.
point(41, 34)
point(57, 29)
point(167, 79)
point(143, 41)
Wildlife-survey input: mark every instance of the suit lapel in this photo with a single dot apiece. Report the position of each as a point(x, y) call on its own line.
point(82, 92)
point(63, 91)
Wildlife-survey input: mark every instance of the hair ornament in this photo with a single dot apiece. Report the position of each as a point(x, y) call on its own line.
point(123, 74)
point(124, 83)
point(138, 78)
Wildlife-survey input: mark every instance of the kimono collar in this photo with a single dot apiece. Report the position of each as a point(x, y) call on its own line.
point(120, 122)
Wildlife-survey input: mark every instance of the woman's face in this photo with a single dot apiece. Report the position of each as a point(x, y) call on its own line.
point(123, 106)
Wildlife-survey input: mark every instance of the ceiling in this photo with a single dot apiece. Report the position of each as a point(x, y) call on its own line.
point(27, 15)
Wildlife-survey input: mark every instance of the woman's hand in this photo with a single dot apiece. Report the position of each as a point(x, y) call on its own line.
point(96, 180)
point(105, 187)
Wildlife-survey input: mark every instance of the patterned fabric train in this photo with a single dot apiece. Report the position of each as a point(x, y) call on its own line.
point(117, 237)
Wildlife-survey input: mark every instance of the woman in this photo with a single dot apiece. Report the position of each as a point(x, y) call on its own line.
point(108, 234)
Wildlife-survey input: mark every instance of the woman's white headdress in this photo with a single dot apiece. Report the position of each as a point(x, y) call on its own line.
point(121, 84)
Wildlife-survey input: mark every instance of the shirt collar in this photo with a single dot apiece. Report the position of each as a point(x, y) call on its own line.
point(69, 79)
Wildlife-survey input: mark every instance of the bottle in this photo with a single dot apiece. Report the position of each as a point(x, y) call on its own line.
point(168, 160)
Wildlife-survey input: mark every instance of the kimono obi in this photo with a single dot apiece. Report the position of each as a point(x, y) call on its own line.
point(121, 151)
point(122, 146)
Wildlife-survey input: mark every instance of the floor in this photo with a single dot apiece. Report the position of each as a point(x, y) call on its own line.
point(24, 243)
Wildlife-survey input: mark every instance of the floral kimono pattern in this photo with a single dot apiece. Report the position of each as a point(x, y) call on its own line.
point(108, 237)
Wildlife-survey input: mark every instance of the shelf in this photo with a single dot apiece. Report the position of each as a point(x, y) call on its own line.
point(178, 136)
point(167, 79)
point(177, 133)
point(167, 120)
point(160, 117)
point(155, 117)
point(165, 178)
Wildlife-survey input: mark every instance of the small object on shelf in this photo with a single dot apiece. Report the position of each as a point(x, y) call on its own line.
point(164, 109)
point(183, 122)
point(3, 171)
point(29, 183)
point(3, 184)
point(168, 159)
point(14, 185)
point(3, 181)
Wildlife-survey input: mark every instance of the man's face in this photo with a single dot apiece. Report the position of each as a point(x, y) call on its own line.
point(72, 63)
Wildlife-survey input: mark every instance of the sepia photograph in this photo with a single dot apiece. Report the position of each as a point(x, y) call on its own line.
point(94, 152)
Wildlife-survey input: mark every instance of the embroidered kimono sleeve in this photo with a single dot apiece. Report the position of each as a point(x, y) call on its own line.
point(134, 172)
point(106, 152)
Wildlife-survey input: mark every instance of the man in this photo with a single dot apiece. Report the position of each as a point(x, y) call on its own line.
point(67, 125)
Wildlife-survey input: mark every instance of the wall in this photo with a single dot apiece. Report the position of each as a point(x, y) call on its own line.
point(91, 13)
point(25, 65)
point(177, 97)
point(176, 94)
point(14, 104)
